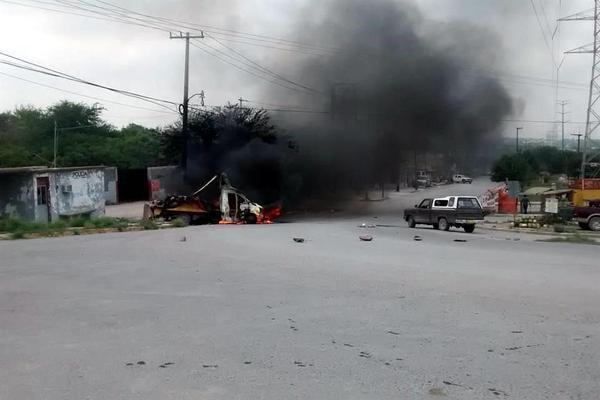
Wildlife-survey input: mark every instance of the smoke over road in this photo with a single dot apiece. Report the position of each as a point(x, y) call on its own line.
point(393, 85)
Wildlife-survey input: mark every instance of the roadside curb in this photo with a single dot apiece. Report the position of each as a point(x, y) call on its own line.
point(536, 232)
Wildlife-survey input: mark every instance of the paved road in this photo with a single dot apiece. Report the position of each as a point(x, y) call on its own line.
point(244, 312)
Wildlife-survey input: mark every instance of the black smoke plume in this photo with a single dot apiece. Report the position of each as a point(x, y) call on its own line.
point(391, 88)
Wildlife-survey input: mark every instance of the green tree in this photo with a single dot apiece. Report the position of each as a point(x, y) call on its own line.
point(27, 137)
point(512, 167)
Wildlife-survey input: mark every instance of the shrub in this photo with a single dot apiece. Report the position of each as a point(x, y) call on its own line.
point(17, 234)
point(179, 223)
point(78, 222)
point(148, 224)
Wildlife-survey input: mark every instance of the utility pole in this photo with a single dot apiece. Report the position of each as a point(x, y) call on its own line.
point(242, 102)
point(593, 108)
point(56, 131)
point(183, 108)
point(562, 114)
point(519, 128)
point(55, 144)
point(579, 135)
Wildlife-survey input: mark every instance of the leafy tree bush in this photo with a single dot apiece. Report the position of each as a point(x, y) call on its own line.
point(527, 165)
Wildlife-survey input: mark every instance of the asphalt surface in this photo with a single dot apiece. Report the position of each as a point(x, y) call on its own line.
point(245, 312)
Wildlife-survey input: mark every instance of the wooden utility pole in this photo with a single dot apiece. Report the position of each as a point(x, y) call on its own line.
point(183, 108)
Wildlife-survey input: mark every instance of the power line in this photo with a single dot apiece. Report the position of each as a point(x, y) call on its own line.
point(159, 23)
point(546, 19)
point(261, 69)
point(62, 75)
point(537, 17)
point(220, 31)
point(266, 70)
point(77, 14)
point(84, 95)
point(198, 45)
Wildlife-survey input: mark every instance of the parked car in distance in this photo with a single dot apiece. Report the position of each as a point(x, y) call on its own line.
point(445, 212)
point(588, 217)
point(458, 178)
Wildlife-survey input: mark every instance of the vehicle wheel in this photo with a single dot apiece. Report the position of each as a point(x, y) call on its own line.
point(411, 222)
point(469, 228)
point(251, 218)
point(583, 225)
point(443, 224)
point(594, 224)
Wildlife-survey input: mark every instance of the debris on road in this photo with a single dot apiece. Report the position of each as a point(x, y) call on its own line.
point(456, 384)
point(417, 238)
point(183, 239)
point(460, 240)
point(299, 240)
point(363, 225)
point(365, 238)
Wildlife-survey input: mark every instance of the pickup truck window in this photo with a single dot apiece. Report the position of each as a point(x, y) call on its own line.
point(451, 202)
point(425, 203)
point(440, 203)
point(465, 202)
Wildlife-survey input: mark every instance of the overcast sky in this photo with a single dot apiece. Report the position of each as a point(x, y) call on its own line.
point(145, 61)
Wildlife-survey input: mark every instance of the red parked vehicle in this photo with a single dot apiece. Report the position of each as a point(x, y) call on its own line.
point(588, 217)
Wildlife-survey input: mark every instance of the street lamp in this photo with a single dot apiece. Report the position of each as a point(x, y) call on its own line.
point(518, 138)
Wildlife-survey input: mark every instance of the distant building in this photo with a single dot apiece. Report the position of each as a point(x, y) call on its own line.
point(48, 194)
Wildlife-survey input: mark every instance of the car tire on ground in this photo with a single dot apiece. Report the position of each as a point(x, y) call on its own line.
point(443, 224)
point(469, 228)
point(594, 223)
point(411, 222)
point(584, 225)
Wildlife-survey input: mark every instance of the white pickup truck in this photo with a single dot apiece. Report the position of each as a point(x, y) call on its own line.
point(458, 178)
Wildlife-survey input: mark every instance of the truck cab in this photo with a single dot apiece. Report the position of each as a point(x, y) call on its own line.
point(588, 217)
point(445, 212)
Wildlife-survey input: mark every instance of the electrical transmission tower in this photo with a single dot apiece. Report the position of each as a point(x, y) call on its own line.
point(593, 109)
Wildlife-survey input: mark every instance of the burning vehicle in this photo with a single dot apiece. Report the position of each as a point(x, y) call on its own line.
point(217, 202)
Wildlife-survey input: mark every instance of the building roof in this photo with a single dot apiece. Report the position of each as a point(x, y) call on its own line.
point(20, 170)
point(41, 168)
